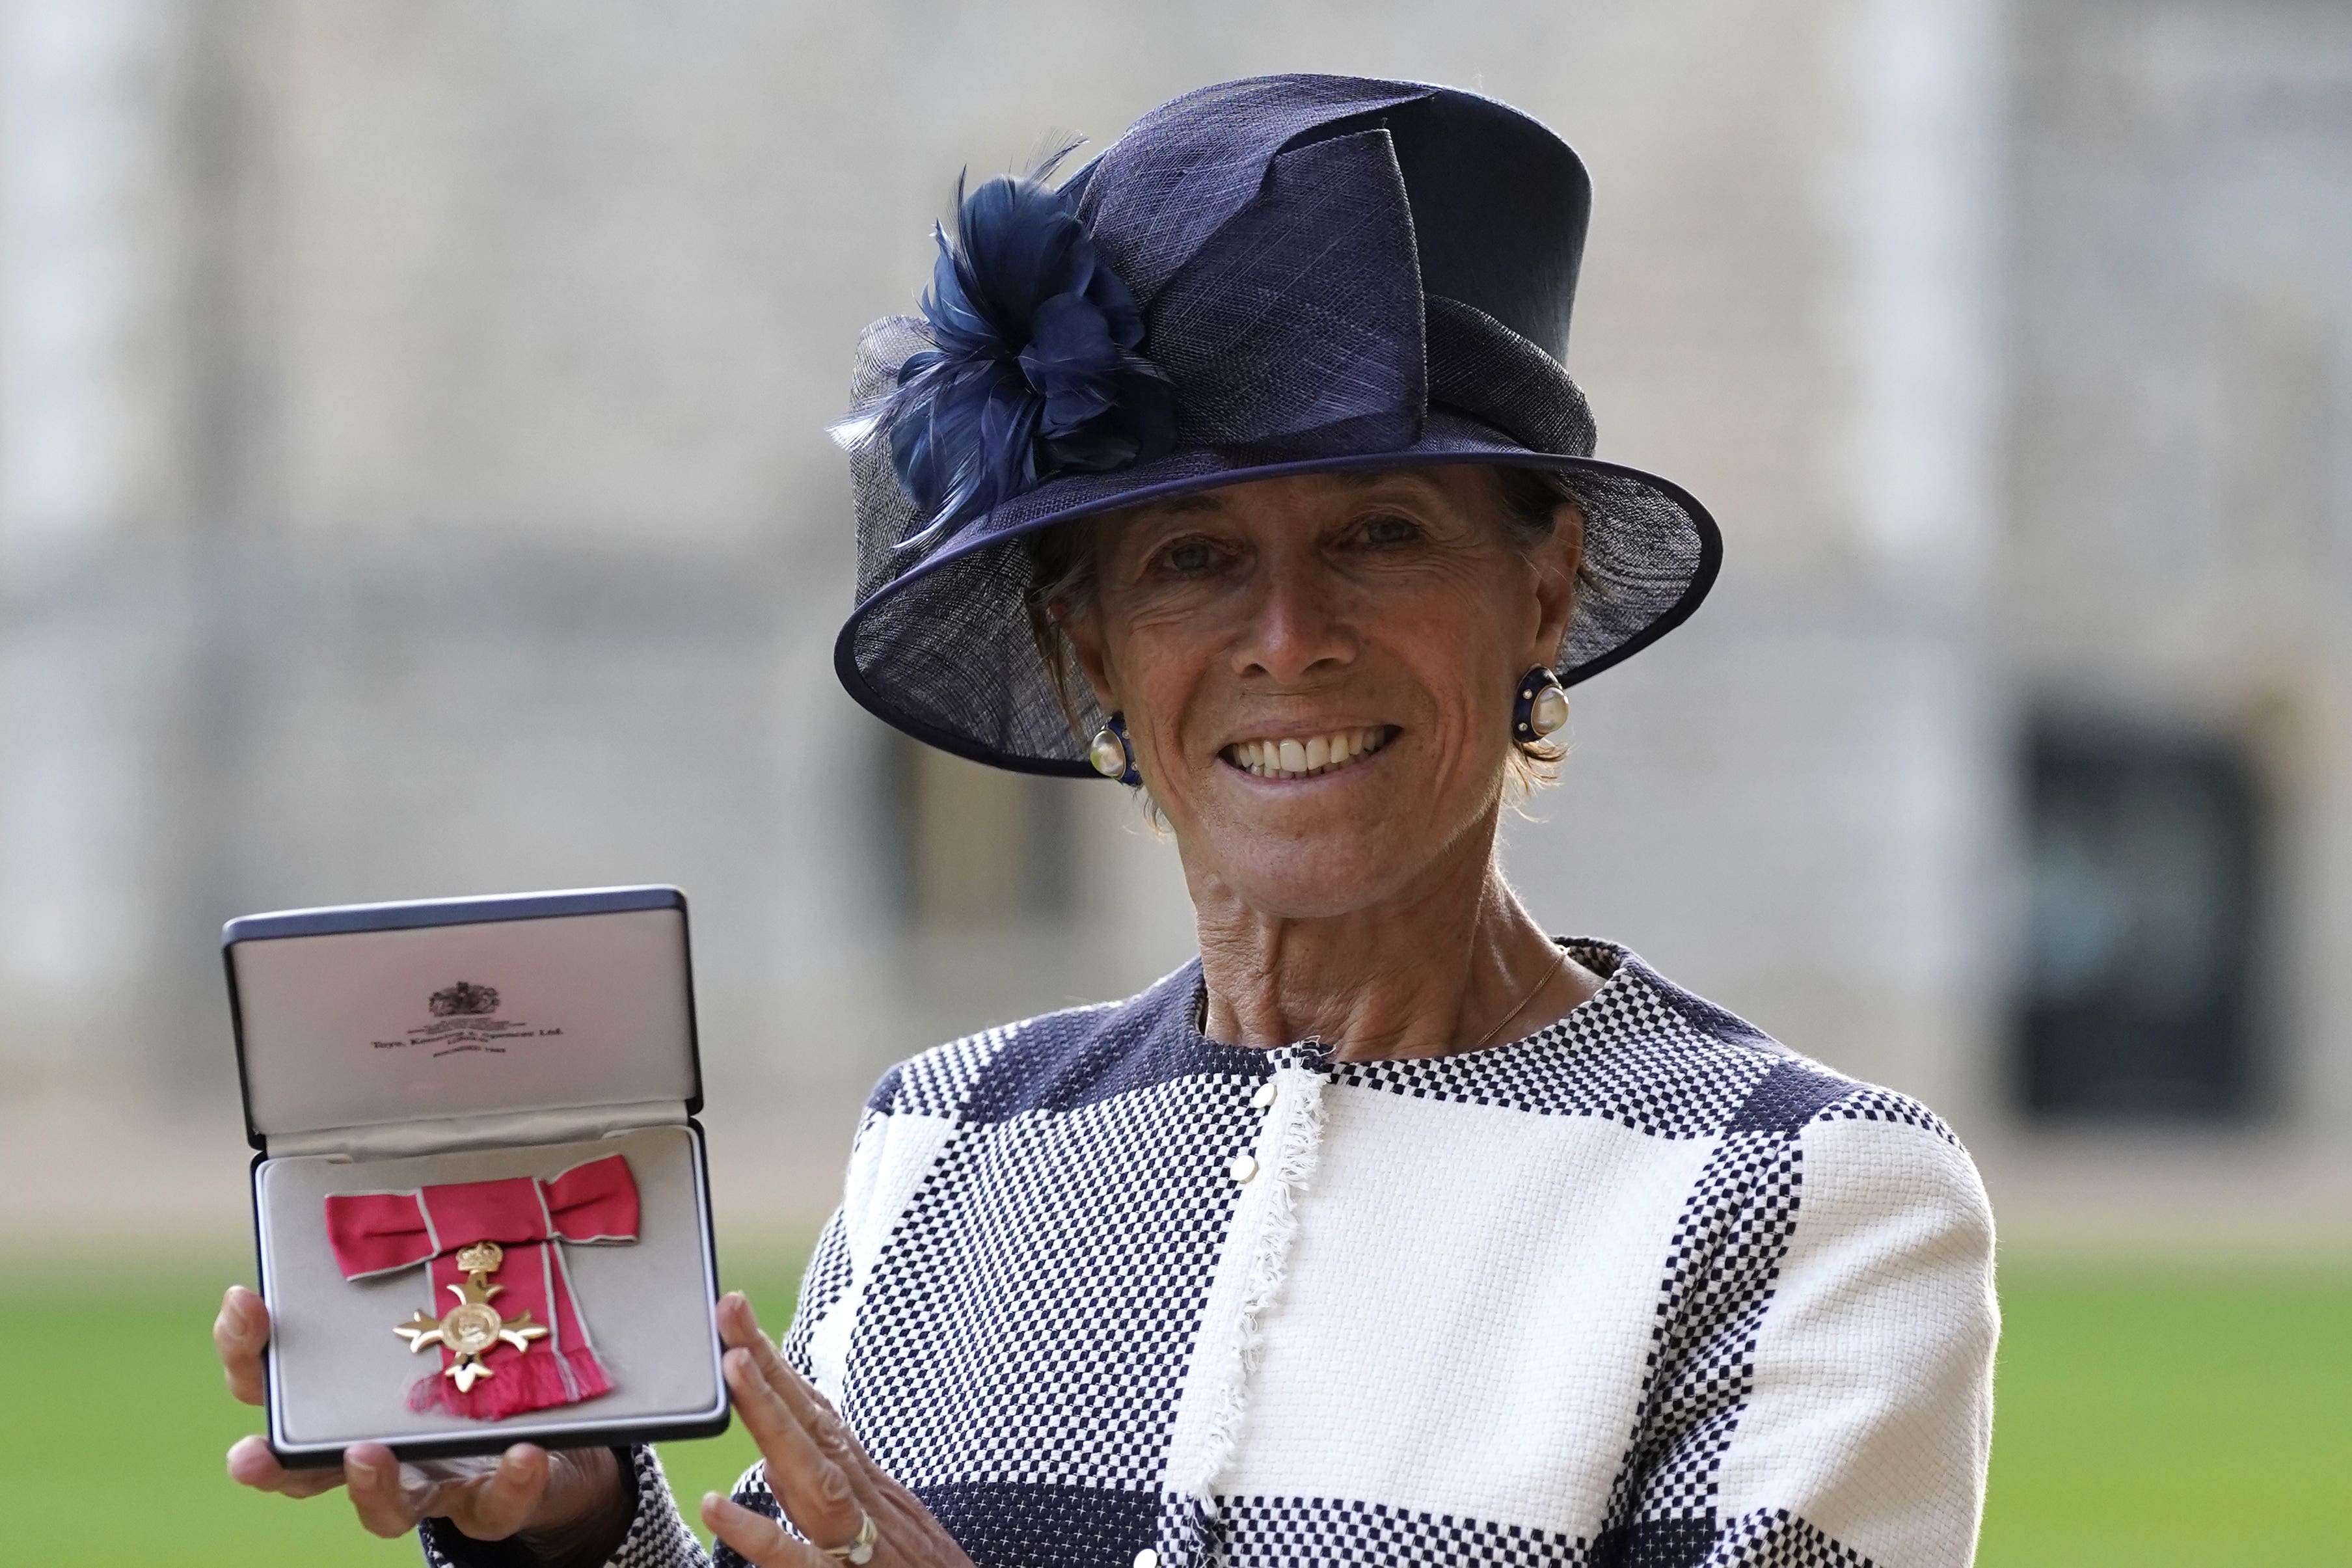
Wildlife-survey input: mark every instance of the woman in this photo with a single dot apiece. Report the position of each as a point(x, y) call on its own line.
point(1243, 468)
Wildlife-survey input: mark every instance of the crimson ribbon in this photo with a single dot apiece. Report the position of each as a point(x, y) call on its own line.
point(379, 1233)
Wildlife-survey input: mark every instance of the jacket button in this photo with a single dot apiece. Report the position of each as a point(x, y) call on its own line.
point(1243, 1168)
point(1264, 1098)
point(1147, 1558)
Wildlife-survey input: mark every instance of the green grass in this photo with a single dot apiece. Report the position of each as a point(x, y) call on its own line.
point(113, 1435)
point(2172, 1417)
point(2146, 1417)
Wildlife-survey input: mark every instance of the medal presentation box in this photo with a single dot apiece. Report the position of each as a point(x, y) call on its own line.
point(481, 1205)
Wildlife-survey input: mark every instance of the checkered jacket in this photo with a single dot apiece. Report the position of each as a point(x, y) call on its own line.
point(1644, 1289)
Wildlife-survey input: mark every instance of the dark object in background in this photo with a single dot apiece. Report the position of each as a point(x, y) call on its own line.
point(2145, 883)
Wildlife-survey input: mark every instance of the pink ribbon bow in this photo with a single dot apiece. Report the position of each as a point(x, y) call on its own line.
point(379, 1233)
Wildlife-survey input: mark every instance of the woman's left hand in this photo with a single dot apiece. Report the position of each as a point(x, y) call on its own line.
point(822, 1479)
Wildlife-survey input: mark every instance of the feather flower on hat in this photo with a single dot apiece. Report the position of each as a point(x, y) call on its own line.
point(1033, 369)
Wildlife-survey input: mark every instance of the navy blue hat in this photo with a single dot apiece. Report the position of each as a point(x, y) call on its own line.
point(1277, 276)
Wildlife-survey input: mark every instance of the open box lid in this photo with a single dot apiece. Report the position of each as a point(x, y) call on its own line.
point(461, 1010)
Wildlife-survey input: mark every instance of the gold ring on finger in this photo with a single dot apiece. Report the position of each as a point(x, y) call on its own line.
point(859, 1552)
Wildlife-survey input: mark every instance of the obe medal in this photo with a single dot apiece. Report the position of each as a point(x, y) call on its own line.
point(473, 1327)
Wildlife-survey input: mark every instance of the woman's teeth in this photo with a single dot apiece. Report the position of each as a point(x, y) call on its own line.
point(1299, 759)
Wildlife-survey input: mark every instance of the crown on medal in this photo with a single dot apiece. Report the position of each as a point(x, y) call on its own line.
point(482, 1258)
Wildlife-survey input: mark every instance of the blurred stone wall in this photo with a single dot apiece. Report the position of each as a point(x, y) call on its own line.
point(2178, 547)
point(412, 482)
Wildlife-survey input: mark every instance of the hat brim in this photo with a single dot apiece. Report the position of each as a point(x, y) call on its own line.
point(944, 652)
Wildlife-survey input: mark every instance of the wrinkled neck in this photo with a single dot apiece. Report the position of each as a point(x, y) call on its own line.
point(1425, 970)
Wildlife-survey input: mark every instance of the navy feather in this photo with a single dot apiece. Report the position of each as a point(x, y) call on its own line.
point(1035, 368)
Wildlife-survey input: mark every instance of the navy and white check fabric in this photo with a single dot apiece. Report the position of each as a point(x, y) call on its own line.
point(1645, 1290)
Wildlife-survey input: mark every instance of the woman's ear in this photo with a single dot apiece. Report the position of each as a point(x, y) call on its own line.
point(1083, 629)
point(1559, 565)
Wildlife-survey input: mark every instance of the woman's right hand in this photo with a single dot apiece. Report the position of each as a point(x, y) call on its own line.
point(565, 1506)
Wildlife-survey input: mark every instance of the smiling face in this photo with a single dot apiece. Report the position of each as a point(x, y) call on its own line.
point(1318, 673)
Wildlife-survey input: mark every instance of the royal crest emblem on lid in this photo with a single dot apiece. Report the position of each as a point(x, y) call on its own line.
point(465, 998)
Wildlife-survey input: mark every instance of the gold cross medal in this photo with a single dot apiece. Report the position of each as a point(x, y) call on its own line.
point(472, 1328)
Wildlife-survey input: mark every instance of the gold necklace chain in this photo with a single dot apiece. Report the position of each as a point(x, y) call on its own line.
point(1201, 1005)
point(1520, 1006)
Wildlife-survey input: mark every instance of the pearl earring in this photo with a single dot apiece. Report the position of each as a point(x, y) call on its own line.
point(1112, 754)
point(1542, 706)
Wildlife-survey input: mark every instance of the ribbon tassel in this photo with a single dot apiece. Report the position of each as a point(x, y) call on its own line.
point(535, 1380)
